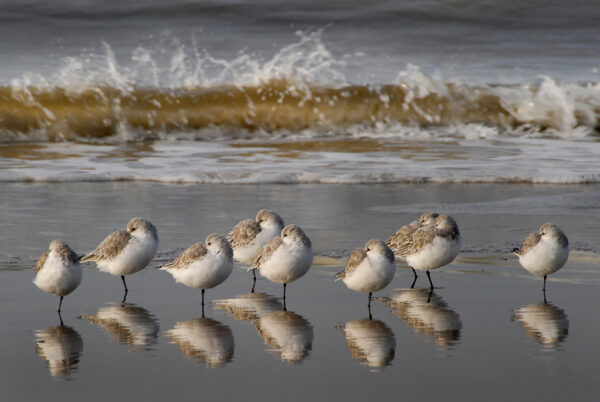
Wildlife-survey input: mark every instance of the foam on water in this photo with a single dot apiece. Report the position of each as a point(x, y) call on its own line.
point(357, 161)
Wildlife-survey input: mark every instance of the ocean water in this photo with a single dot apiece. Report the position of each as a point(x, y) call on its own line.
point(300, 92)
point(485, 333)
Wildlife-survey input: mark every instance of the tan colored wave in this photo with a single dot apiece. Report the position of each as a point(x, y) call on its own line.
point(278, 105)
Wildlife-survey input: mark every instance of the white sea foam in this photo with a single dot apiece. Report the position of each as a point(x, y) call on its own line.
point(518, 161)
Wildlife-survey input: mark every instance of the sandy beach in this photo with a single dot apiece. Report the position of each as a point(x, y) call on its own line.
point(477, 339)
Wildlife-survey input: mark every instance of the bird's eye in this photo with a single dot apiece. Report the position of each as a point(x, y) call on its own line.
point(368, 249)
point(209, 243)
point(132, 229)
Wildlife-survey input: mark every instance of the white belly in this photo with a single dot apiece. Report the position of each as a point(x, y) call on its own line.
point(371, 275)
point(58, 278)
point(133, 258)
point(439, 253)
point(544, 258)
point(287, 264)
point(205, 274)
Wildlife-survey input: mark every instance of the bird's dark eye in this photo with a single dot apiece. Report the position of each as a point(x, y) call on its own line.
point(284, 235)
point(209, 243)
point(368, 249)
point(132, 229)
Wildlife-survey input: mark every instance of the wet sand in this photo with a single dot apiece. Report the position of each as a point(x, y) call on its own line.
point(485, 332)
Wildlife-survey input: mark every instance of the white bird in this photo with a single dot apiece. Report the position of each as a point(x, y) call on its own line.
point(402, 235)
point(249, 236)
point(431, 246)
point(203, 266)
point(126, 252)
point(369, 269)
point(286, 258)
point(545, 251)
point(58, 270)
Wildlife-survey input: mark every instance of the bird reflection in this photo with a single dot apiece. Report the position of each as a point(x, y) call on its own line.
point(284, 332)
point(249, 306)
point(204, 340)
point(545, 323)
point(127, 323)
point(427, 314)
point(370, 341)
point(60, 347)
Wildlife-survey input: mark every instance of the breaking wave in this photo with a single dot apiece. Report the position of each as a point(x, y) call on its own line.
point(176, 91)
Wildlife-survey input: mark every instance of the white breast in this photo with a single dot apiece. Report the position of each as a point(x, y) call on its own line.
point(435, 255)
point(371, 275)
point(288, 263)
point(206, 273)
point(545, 258)
point(133, 258)
point(57, 277)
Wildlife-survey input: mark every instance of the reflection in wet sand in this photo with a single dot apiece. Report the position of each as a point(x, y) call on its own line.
point(127, 323)
point(426, 313)
point(545, 323)
point(204, 340)
point(370, 341)
point(284, 332)
point(249, 306)
point(60, 346)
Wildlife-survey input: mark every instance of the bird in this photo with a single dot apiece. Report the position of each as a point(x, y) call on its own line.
point(544, 252)
point(249, 236)
point(369, 269)
point(403, 234)
point(285, 258)
point(58, 270)
point(431, 246)
point(203, 265)
point(126, 252)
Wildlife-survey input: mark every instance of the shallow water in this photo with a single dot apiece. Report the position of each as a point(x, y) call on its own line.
point(485, 332)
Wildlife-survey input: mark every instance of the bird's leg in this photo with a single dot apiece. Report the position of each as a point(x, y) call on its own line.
point(60, 318)
point(430, 283)
point(544, 288)
point(415, 280)
point(60, 304)
point(369, 306)
point(284, 286)
point(254, 274)
point(202, 303)
point(253, 284)
point(430, 293)
point(126, 290)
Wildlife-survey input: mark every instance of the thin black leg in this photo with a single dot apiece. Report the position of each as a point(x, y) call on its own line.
point(544, 288)
point(60, 304)
point(254, 274)
point(126, 290)
point(414, 280)
point(430, 283)
point(369, 305)
point(253, 284)
point(545, 302)
point(60, 318)
point(429, 296)
point(202, 303)
point(284, 286)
